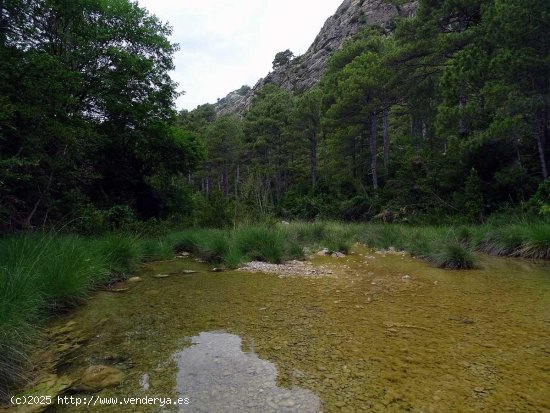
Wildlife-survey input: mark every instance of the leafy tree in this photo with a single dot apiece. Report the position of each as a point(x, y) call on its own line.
point(223, 140)
point(306, 122)
point(282, 59)
point(87, 106)
point(266, 129)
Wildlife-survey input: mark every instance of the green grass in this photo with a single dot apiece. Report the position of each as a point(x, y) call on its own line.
point(158, 249)
point(235, 247)
point(41, 274)
point(524, 240)
point(453, 255)
point(536, 243)
point(260, 244)
point(122, 253)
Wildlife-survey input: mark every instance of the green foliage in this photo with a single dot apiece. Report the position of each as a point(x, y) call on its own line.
point(537, 243)
point(454, 255)
point(540, 201)
point(243, 90)
point(40, 274)
point(157, 249)
point(211, 211)
point(473, 196)
point(86, 109)
point(213, 246)
point(440, 118)
point(122, 253)
point(282, 59)
point(261, 244)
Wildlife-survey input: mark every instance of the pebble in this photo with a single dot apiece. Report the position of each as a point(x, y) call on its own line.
point(287, 269)
point(161, 276)
point(287, 403)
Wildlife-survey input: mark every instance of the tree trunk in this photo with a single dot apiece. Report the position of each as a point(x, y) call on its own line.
point(462, 101)
point(28, 220)
point(373, 151)
point(542, 131)
point(237, 178)
point(353, 159)
point(313, 158)
point(386, 142)
point(3, 25)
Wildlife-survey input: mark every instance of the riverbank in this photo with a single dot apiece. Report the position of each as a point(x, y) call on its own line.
point(41, 275)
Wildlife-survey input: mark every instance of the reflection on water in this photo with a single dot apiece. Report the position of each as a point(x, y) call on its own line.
point(218, 376)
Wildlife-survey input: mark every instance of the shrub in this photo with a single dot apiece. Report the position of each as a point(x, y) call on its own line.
point(260, 243)
point(122, 253)
point(212, 246)
point(454, 255)
point(157, 249)
point(537, 242)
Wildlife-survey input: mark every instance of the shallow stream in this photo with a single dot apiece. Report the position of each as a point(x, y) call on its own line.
point(385, 333)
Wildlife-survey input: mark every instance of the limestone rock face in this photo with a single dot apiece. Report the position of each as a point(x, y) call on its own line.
point(306, 70)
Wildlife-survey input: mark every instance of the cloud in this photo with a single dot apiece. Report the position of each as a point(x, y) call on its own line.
point(227, 43)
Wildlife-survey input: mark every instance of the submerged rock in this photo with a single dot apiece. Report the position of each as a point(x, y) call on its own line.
point(99, 377)
point(161, 275)
point(135, 280)
point(50, 385)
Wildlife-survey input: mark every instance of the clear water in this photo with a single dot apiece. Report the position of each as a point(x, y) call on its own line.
point(385, 333)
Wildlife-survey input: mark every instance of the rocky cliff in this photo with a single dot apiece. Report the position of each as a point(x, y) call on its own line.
point(306, 70)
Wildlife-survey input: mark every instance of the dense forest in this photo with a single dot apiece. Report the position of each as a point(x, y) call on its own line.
point(443, 117)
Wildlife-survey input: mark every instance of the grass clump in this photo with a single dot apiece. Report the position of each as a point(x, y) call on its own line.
point(20, 302)
point(123, 253)
point(261, 244)
point(39, 274)
point(340, 237)
point(454, 255)
point(420, 242)
point(308, 233)
point(504, 241)
point(157, 249)
point(66, 269)
point(536, 243)
point(527, 240)
point(44, 273)
point(382, 236)
point(213, 246)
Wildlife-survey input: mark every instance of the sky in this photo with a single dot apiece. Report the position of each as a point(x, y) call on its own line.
point(225, 44)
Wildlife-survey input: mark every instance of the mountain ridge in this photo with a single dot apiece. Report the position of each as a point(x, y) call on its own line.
point(306, 70)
